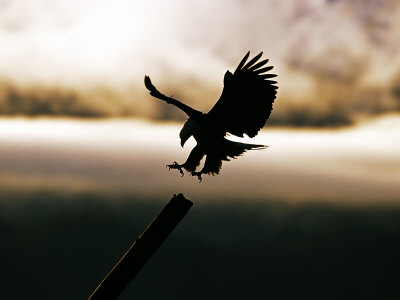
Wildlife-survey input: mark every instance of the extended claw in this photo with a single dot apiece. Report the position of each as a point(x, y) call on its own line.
point(175, 165)
point(198, 174)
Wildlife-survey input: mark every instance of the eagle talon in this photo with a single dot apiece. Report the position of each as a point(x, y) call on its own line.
point(198, 174)
point(175, 165)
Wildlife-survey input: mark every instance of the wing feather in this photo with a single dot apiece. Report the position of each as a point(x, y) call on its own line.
point(246, 100)
point(253, 60)
point(263, 70)
point(268, 75)
point(242, 62)
point(259, 65)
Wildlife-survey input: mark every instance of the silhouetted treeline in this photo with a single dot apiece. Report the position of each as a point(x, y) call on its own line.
point(58, 246)
point(333, 103)
point(48, 100)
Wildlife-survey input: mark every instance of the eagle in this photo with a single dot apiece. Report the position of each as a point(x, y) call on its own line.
point(243, 108)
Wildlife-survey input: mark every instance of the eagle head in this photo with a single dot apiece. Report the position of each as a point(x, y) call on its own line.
point(190, 128)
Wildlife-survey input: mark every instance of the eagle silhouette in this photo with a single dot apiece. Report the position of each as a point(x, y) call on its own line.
point(243, 108)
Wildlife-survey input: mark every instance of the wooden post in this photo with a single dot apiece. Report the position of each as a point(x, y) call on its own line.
point(142, 249)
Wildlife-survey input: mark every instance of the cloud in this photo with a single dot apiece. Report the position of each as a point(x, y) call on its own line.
point(328, 54)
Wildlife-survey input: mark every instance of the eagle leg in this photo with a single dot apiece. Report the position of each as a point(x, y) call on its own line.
point(198, 174)
point(175, 165)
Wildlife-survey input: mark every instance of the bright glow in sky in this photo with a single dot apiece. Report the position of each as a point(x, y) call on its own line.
point(118, 41)
point(359, 165)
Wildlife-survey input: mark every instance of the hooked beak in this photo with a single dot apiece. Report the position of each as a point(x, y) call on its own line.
point(183, 141)
point(187, 130)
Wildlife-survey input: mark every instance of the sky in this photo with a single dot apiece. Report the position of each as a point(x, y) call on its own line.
point(333, 133)
point(329, 55)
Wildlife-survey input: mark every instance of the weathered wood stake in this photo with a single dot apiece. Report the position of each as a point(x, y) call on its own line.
point(142, 249)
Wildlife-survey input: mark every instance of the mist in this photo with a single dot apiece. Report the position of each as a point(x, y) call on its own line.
point(357, 166)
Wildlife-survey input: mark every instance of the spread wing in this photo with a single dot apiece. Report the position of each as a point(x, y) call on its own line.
point(246, 100)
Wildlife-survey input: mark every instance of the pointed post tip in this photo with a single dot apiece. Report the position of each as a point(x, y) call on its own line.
point(181, 198)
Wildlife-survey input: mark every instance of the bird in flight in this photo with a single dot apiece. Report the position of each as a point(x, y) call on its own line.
point(243, 108)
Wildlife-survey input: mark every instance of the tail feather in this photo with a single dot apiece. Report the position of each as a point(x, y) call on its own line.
point(236, 149)
point(225, 151)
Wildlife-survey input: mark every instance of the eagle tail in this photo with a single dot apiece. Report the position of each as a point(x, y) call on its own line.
point(236, 149)
point(224, 152)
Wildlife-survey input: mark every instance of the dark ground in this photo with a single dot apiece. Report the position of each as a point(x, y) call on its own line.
point(59, 246)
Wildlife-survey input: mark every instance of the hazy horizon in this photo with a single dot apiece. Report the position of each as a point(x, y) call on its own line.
point(358, 165)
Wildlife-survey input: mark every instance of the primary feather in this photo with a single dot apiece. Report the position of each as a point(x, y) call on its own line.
point(246, 100)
